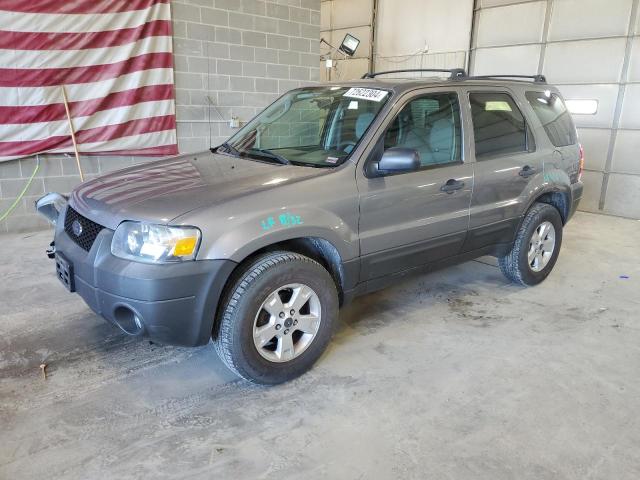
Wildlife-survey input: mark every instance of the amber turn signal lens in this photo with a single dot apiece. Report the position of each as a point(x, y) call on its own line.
point(185, 246)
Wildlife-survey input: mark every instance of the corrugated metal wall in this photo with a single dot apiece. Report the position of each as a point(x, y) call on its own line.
point(591, 50)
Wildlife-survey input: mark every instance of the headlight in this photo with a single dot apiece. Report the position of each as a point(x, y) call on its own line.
point(143, 242)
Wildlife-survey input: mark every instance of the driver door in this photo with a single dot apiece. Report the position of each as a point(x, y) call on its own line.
point(418, 217)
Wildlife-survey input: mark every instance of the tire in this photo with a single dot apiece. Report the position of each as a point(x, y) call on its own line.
point(291, 352)
point(516, 265)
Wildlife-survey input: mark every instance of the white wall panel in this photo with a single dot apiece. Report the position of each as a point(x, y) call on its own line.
point(623, 195)
point(348, 13)
point(634, 61)
point(630, 117)
point(406, 27)
point(573, 19)
point(596, 144)
point(339, 17)
point(430, 60)
point(586, 61)
point(496, 3)
point(606, 96)
point(583, 53)
point(504, 25)
point(521, 60)
point(346, 69)
point(325, 15)
point(592, 189)
point(625, 154)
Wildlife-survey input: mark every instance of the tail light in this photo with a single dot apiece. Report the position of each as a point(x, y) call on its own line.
point(581, 164)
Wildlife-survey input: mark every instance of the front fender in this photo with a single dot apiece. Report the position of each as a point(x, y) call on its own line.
point(237, 238)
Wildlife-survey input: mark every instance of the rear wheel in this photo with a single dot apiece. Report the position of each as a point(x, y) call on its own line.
point(277, 318)
point(536, 248)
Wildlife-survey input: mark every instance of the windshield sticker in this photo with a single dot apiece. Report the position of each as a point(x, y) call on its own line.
point(332, 159)
point(372, 94)
point(284, 220)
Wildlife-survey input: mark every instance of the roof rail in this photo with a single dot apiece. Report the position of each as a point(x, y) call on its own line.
point(455, 73)
point(535, 78)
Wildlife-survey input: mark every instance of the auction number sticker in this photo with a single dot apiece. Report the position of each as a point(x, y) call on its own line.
point(372, 94)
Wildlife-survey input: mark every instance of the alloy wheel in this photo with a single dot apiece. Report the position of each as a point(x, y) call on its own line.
point(287, 322)
point(541, 246)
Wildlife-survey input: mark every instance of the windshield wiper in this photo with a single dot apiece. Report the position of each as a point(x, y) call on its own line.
point(270, 155)
point(229, 149)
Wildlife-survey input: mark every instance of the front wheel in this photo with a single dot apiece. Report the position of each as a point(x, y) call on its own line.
point(277, 318)
point(536, 248)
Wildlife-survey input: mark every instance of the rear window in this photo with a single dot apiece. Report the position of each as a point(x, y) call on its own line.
point(555, 118)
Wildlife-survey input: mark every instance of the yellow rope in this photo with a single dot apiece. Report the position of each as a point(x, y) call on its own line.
point(24, 190)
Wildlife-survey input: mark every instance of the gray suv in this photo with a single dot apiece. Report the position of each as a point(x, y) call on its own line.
point(331, 192)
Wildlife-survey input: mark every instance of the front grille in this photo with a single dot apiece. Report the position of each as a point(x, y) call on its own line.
point(88, 230)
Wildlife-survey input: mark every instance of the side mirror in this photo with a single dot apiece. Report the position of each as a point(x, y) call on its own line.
point(398, 160)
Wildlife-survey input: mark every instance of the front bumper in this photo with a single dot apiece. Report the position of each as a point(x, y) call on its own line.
point(576, 196)
point(174, 303)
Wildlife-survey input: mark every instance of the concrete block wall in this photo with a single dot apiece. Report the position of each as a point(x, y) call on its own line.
point(57, 173)
point(231, 57)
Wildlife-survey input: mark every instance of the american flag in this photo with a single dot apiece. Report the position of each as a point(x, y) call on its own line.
point(114, 58)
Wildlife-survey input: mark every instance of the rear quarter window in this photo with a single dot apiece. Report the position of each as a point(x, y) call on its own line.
point(554, 116)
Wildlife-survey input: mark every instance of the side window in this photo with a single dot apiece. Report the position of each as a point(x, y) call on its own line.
point(431, 125)
point(498, 125)
point(555, 118)
point(351, 122)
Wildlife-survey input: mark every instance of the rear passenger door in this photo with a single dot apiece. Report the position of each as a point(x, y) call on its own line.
point(414, 218)
point(507, 164)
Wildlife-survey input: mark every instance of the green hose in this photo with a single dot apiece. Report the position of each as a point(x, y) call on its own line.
point(22, 193)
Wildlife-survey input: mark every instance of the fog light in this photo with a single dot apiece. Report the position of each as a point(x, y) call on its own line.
point(128, 320)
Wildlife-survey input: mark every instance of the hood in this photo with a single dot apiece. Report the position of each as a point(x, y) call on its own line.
point(160, 191)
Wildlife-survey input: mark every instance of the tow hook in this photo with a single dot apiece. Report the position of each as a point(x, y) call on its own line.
point(51, 251)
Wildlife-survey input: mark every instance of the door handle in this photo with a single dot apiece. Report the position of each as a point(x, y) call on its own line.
point(527, 171)
point(452, 185)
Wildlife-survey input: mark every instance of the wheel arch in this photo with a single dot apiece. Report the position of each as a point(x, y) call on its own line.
point(319, 249)
point(559, 199)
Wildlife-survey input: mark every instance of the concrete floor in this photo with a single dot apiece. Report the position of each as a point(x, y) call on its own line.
point(453, 375)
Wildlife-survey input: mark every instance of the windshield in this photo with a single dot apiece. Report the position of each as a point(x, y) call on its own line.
point(316, 126)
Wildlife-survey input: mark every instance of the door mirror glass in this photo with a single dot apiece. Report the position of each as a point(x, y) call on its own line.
point(399, 159)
